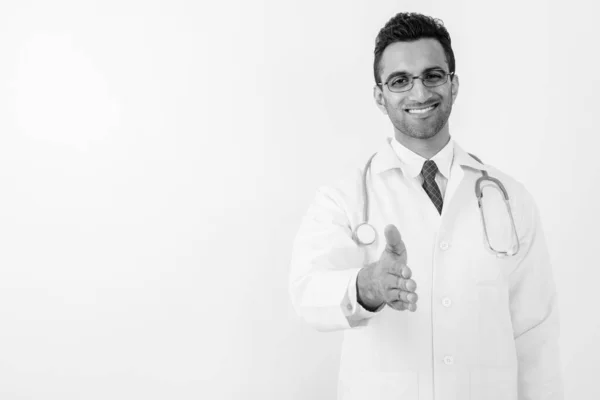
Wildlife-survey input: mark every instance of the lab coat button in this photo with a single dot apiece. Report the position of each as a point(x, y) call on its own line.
point(448, 360)
point(444, 245)
point(349, 307)
point(446, 302)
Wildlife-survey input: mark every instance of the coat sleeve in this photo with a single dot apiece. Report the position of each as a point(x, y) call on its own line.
point(535, 314)
point(324, 267)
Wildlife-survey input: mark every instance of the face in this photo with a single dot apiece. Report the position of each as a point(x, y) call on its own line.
point(422, 112)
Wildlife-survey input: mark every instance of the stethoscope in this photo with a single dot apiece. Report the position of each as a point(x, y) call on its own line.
point(365, 234)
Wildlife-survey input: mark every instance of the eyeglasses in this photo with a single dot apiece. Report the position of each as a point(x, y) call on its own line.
point(403, 83)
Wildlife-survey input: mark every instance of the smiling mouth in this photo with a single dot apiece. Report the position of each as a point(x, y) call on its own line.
point(422, 110)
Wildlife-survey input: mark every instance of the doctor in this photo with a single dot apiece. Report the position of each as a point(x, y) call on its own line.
point(428, 310)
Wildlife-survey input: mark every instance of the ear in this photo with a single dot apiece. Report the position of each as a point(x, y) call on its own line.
point(379, 98)
point(455, 85)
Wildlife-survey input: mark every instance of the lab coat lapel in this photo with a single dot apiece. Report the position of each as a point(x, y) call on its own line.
point(463, 175)
point(457, 175)
point(460, 187)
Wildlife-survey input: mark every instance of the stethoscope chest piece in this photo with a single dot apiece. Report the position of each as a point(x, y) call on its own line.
point(365, 234)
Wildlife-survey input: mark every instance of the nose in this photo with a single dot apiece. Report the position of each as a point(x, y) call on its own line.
point(419, 92)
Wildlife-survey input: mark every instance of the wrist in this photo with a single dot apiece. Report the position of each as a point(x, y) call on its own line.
point(365, 293)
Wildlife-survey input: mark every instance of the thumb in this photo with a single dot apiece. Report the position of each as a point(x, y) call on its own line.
point(394, 243)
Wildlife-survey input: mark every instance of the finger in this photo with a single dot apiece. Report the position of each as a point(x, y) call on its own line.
point(406, 272)
point(396, 268)
point(412, 307)
point(400, 269)
point(408, 285)
point(398, 305)
point(394, 243)
point(402, 295)
point(408, 297)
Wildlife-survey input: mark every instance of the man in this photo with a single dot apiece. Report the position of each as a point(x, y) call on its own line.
point(462, 321)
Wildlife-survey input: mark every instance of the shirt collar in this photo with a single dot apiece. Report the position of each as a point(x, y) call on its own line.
point(394, 155)
point(412, 163)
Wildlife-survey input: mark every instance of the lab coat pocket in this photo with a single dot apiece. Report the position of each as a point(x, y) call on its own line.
point(494, 343)
point(494, 384)
point(380, 386)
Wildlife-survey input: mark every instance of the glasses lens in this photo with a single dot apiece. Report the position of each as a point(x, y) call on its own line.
point(399, 83)
point(434, 78)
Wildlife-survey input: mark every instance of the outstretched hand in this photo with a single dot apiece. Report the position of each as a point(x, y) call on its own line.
point(389, 280)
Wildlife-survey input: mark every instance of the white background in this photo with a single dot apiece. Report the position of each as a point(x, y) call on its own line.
point(156, 158)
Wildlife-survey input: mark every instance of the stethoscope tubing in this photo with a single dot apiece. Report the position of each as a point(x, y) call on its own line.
point(478, 193)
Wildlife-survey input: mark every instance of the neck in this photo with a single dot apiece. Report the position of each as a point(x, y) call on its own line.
point(426, 148)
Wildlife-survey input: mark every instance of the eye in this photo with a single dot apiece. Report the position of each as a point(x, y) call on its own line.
point(434, 76)
point(399, 81)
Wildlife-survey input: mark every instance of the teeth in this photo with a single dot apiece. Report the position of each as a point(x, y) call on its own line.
point(420, 110)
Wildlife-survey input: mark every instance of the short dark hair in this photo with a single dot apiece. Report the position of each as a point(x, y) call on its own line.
point(408, 27)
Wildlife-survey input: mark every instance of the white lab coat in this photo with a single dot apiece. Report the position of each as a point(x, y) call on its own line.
point(486, 328)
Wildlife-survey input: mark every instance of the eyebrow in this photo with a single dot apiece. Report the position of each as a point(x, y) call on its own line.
point(399, 73)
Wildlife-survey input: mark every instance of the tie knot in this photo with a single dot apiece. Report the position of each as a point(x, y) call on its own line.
point(429, 170)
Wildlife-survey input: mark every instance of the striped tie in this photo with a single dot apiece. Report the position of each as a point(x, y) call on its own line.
point(431, 188)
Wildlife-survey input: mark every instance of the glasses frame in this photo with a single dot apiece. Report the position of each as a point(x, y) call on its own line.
point(412, 82)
